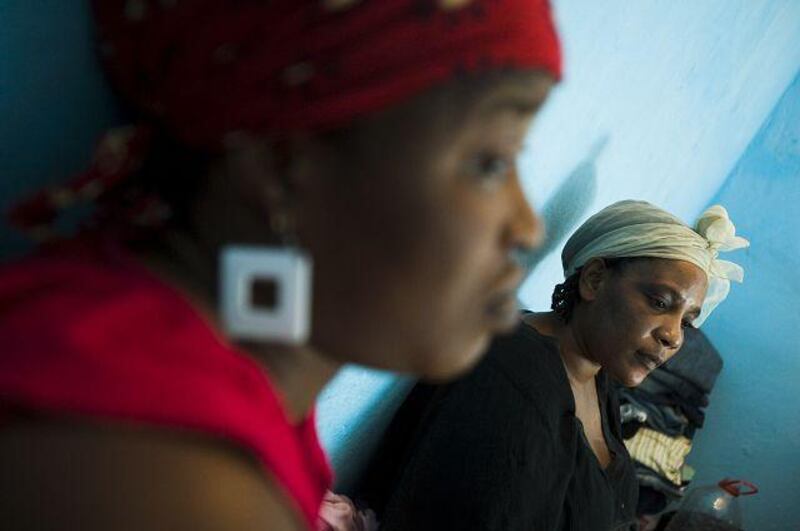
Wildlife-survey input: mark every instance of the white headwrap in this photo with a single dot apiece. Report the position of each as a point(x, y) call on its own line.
point(629, 229)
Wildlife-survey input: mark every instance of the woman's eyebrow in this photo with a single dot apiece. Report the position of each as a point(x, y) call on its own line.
point(676, 297)
point(517, 104)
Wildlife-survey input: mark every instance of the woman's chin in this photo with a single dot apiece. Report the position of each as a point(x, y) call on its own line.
point(633, 376)
point(450, 366)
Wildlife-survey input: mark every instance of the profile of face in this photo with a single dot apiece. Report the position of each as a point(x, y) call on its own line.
point(634, 314)
point(412, 217)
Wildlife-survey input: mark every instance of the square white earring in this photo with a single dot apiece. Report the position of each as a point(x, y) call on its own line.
point(287, 271)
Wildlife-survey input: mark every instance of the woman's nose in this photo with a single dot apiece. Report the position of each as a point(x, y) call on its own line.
point(670, 334)
point(525, 228)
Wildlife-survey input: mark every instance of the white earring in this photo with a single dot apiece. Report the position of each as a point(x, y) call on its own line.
point(287, 268)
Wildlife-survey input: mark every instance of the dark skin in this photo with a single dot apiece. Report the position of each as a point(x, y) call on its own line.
point(426, 207)
point(628, 322)
point(411, 217)
point(67, 474)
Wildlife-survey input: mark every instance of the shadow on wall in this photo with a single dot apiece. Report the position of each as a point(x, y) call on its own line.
point(569, 204)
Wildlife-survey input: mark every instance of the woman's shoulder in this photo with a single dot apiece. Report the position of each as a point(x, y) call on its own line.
point(520, 374)
point(530, 362)
point(96, 336)
point(166, 480)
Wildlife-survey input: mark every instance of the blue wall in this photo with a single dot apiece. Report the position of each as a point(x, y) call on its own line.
point(753, 422)
point(677, 90)
point(54, 101)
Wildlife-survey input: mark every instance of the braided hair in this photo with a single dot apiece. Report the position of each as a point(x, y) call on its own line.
point(567, 294)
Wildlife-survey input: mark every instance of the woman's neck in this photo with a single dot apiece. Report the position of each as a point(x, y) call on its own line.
point(298, 372)
point(580, 365)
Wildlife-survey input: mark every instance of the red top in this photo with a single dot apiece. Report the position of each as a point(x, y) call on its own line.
point(91, 332)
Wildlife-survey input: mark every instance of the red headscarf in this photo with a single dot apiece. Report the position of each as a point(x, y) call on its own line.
point(207, 67)
point(204, 68)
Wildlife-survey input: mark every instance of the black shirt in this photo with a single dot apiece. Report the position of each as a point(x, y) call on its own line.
point(502, 449)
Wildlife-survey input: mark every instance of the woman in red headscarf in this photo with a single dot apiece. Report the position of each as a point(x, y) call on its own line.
point(307, 184)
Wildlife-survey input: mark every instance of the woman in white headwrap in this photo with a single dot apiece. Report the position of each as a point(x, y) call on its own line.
point(531, 438)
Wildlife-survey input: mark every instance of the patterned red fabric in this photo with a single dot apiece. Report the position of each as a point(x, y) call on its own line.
point(119, 153)
point(205, 67)
point(88, 332)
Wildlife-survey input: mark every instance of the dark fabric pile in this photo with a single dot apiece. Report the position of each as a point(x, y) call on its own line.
point(661, 417)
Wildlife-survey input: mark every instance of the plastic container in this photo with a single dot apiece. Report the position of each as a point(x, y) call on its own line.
point(712, 508)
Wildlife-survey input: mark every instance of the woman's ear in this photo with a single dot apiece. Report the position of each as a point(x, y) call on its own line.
point(280, 183)
point(278, 174)
point(593, 274)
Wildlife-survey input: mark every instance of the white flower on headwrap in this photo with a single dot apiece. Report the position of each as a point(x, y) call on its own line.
point(716, 227)
point(629, 229)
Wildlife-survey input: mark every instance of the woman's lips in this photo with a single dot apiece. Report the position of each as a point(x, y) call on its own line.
point(502, 308)
point(502, 311)
point(649, 361)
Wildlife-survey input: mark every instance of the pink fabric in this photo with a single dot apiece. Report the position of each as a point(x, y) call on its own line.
point(88, 332)
point(338, 513)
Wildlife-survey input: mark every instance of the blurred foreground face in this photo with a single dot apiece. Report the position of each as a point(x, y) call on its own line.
point(412, 231)
point(390, 133)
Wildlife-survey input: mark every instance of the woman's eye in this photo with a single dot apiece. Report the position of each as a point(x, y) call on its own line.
point(490, 168)
point(659, 303)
